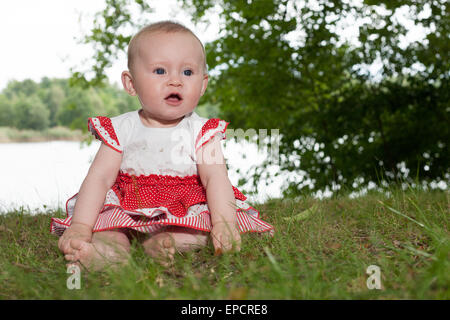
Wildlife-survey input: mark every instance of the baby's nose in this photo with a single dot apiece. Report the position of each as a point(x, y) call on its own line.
point(175, 81)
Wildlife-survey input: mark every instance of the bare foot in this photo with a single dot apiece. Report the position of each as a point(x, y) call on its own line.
point(161, 247)
point(96, 256)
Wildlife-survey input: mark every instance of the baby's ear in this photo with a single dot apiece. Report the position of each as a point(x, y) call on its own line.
point(204, 84)
point(127, 82)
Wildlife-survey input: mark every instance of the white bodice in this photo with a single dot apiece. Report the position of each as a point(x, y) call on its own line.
point(162, 151)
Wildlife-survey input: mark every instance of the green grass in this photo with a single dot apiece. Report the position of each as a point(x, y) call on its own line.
point(321, 254)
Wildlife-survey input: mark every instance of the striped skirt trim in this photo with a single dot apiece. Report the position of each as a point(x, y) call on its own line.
point(116, 217)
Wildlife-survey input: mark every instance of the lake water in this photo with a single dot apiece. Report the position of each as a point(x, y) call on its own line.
point(40, 176)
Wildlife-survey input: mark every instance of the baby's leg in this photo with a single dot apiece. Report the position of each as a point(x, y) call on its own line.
point(107, 248)
point(163, 245)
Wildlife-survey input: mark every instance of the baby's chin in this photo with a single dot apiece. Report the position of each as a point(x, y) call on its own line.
point(176, 114)
point(170, 120)
point(172, 115)
point(175, 117)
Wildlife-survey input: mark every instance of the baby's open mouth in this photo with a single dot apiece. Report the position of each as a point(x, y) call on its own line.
point(174, 97)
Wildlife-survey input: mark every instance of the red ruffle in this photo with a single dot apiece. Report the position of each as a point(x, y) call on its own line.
point(107, 124)
point(109, 136)
point(177, 194)
point(211, 124)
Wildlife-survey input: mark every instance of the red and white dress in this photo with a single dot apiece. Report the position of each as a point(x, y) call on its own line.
point(158, 184)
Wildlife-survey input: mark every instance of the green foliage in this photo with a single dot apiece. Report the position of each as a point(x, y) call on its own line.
point(53, 102)
point(31, 113)
point(287, 64)
point(208, 110)
point(53, 99)
point(109, 36)
point(7, 116)
point(283, 64)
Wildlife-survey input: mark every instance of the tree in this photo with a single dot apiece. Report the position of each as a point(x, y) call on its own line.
point(285, 64)
point(109, 35)
point(20, 88)
point(7, 114)
point(53, 99)
point(52, 102)
point(78, 107)
point(31, 113)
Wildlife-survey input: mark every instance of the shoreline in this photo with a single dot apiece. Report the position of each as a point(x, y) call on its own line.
point(43, 139)
point(14, 135)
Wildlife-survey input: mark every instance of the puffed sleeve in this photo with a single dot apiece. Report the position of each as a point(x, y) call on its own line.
point(102, 128)
point(212, 128)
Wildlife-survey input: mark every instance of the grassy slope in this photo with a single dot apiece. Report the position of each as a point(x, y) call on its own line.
point(324, 256)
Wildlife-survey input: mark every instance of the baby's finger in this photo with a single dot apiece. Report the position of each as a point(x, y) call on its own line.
point(76, 244)
point(226, 243)
point(237, 242)
point(218, 245)
point(70, 257)
point(65, 246)
point(61, 243)
point(70, 251)
point(232, 244)
point(215, 240)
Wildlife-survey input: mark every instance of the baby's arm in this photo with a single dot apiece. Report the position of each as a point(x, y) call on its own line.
point(219, 193)
point(90, 199)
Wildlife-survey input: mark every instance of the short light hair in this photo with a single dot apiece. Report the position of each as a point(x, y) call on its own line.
point(162, 26)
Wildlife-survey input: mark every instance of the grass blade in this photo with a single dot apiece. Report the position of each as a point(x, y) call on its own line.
point(403, 215)
point(303, 215)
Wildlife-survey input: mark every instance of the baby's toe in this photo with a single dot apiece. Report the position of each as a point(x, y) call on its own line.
point(167, 254)
point(162, 249)
point(167, 243)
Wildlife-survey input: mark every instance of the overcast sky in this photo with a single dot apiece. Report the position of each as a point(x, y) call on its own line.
point(39, 37)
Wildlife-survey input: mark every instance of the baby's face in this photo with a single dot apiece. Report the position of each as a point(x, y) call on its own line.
point(168, 74)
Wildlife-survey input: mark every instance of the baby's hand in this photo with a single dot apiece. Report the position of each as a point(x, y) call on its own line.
point(75, 231)
point(225, 237)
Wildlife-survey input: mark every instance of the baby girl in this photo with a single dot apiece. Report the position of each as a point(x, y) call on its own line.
point(159, 172)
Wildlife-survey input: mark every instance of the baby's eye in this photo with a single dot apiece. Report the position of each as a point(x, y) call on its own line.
point(187, 72)
point(159, 71)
